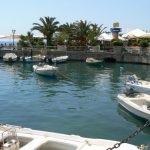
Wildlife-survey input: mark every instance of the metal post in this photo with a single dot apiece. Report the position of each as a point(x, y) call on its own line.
point(13, 32)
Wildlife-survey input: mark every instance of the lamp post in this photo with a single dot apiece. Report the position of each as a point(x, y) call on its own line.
point(13, 32)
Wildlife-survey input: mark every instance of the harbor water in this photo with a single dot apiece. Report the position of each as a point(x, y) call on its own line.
point(82, 100)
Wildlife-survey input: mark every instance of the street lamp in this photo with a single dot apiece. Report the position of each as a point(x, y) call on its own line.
point(13, 32)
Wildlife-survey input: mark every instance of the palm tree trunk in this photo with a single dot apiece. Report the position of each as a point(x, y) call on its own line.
point(48, 41)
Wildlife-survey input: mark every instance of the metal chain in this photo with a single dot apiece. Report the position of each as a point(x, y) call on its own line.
point(130, 136)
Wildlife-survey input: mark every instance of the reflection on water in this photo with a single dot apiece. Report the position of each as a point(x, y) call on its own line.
point(81, 100)
point(128, 116)
point(17, 70)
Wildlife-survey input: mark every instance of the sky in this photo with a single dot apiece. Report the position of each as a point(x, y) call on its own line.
point(21, 14)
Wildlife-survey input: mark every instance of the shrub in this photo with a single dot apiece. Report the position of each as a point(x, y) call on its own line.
point(129, 43)
point(135, 44)
point(117, 43)
point(132, 43)
point(144, 43)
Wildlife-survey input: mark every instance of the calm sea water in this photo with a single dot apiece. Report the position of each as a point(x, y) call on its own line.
point(8, 41)
point(82, 100)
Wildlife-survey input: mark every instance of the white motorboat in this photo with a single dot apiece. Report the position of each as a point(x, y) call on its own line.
point(32, 59)
point(18, 138)
point(10, 57)
point(134, 84)
point(138, 104)
point(93, 61)
point(59, 59)
point(45, 70)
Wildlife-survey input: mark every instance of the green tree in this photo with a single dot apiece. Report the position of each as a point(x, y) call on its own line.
point(144, 43)
point(47, 27)
point(30, 41)
point(61, 38)
point(79, 33)
point(29, 38)
point(68, 32)
point(94, 32)
point(23, 41)
point(82, 32)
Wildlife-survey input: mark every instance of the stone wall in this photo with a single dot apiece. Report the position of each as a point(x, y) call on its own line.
point(124, 57)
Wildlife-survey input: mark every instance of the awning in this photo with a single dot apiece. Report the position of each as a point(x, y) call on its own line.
point(137, 33)
point(146, 35)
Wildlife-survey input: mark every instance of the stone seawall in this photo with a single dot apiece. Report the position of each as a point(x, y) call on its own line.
point(82, 55)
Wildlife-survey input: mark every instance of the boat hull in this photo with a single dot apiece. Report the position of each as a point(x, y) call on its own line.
point(29, 59)
point(42, 140)
point(45, 70)
point(59, 59)
point(141, 88)
point(136, 85)
point(10, 57)
point(94, 62)
point(128, 104)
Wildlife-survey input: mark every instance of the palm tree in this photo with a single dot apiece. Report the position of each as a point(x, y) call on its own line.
point(29, 38)
point(47, 27)
point(23, 41)
point(95, 31)
point(30, 41)
point(68, 31)
point(82, 32)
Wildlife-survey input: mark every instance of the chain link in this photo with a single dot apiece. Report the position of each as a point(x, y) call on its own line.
point(130, 136)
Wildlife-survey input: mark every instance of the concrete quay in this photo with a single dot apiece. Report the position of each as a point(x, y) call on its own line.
point(124, 57)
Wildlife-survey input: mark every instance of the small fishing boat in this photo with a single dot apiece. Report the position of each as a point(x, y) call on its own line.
point(59, 59)
point(93, 61)
point(137, 103)
point(10, 57)
point(18, 138)
point(45, 70)
point(136, 85)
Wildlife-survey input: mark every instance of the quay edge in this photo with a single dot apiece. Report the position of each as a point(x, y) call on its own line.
point(124, 57)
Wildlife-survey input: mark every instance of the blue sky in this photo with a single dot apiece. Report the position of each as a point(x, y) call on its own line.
point(21, 14)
